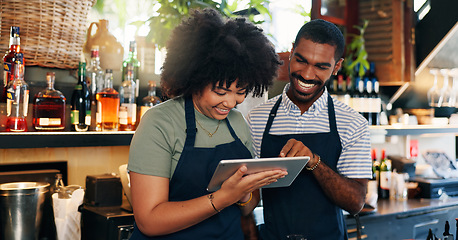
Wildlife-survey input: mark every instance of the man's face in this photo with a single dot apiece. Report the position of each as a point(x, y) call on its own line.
point(310, 67)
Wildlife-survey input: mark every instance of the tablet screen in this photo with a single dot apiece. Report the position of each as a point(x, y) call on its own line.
point(227, 168)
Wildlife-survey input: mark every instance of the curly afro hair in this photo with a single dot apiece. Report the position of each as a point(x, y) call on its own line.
point(208, 49)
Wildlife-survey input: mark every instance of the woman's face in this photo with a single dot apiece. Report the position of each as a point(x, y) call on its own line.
point(217, 102)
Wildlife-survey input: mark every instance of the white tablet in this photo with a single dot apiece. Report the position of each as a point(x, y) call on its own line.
point(227, 168)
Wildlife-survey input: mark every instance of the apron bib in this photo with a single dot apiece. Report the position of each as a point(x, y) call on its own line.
point(302, 208)
point(191, 177)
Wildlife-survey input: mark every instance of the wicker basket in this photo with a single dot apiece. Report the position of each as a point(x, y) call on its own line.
point(52, 31)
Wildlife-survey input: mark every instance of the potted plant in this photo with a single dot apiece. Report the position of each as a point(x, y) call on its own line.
point(356, 53)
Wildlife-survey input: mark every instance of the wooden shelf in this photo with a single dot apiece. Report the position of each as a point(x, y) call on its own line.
point(64, 139)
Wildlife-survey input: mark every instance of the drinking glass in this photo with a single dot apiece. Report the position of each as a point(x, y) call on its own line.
point(434, 92)
point(447, 98)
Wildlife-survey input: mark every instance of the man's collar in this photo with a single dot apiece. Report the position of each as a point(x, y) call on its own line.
point(316, 107)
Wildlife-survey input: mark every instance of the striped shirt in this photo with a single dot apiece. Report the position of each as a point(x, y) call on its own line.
point(355, 160)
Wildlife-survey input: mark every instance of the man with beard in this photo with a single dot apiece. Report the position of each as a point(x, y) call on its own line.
point(306, 121)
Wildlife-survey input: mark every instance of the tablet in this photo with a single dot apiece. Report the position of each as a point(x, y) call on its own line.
point(227, 168)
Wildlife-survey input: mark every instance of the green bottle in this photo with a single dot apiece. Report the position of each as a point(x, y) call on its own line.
point(384, 177)
point(132, 61)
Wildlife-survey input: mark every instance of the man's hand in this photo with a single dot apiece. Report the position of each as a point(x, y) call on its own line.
point(294, 148)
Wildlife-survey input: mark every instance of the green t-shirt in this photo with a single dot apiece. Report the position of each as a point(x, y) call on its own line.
point(159, 139)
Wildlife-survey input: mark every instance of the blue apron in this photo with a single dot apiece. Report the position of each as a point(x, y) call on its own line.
point(302, 208)
point(191, 177)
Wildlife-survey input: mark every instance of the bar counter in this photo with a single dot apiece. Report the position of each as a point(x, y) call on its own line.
point(408, 219)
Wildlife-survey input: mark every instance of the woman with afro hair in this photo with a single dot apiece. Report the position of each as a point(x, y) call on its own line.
point(212, 64)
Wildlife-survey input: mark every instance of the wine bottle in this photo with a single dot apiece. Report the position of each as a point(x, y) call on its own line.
point(385, 177)
point(17, 99)
point(368, 101)
point(49, 107)
point(81, 102)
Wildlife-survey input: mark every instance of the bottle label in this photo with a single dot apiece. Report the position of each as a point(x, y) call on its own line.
point(143, 110)
point(87, 119)
point(78, 87)
point(6, 73)
point(123, 115)
point(26, 102)
point(385, 180)
point(7, 67)
point(49, 121)
point(98, 113)
point(74, 117)
point(131, 111)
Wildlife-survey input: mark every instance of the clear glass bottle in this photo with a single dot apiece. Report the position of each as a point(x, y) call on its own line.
point(17, 101)
point(151, 99)
point(94, 73)
point(108, 104)
point(49, 107)
point(132, 61)
point(10, 58)
point(128, 107)
point(81, 102)
point(95, 82)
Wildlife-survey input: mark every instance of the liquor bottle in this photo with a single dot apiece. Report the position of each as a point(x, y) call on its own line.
point(49, 107)
point(95, 76)
point(10, 58)
point(81, 102)
point(384, 178)
point(131, 60)
point(17, 99)
point(108, 104)
point(151, 99)
point(95, 82)
point(128, 107)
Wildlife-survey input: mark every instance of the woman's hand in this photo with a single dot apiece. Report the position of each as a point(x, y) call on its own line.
point(238, 187)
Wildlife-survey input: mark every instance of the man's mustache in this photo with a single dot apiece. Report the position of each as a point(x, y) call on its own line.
point(300, 78)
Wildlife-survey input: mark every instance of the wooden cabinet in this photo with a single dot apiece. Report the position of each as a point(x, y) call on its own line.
point(389, 35)
point(389, 39)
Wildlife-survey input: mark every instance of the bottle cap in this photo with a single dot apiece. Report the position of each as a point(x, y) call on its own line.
point(132, 46)
point(109, 71)
point(14, 31)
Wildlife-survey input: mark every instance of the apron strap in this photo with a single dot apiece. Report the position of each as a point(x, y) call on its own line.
point(332, 118)
point(191, 129)
point(272, 115)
